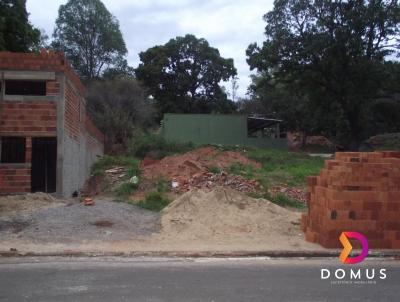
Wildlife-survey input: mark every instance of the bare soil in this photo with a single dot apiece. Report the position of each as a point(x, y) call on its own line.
point(26, 203)
point(219, 220)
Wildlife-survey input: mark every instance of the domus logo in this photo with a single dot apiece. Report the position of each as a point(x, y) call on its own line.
point(353, 275)
point(347, 247)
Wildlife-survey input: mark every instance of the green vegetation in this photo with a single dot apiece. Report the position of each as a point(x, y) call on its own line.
point(383, 142)
point(16, 32)
point(280, 199)
point(214, 169)
point(325, 67)
point(156, 146)
point(107, 162)
point(154, 201)
point(126, 189)
point(285, 201)
point(197, 91)
point(90, 37)
point(279, 167)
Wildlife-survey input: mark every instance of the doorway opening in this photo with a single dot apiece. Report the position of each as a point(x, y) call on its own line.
point(44, 164)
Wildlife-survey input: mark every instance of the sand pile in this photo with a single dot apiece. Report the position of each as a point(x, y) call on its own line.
point(193, 162)
point(226, 215)
point(26, 202)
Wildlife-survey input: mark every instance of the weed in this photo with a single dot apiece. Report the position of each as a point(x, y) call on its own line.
point(157, 146)
point(280, 199)
point(162, 185)
point(154, 201)
point(126, 189)
point(214, 169)
point(107, 162)
point(285, 201)
point(279, 167)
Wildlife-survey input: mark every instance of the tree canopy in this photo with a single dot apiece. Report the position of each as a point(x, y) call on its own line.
point(16, 33)
point(119, 108)
point(90, 36)
point(184, 75)
point(328, 57)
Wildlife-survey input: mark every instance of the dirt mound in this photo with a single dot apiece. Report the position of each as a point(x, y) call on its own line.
point(26, 202)
point(227, 214)
point(193, 162)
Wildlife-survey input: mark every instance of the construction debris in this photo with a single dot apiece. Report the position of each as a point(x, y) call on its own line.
point(192, 170)
point(208, 181)
point(88, 202)
point(299, 194)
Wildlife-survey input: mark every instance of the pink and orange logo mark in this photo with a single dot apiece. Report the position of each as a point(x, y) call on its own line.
point(347, 247)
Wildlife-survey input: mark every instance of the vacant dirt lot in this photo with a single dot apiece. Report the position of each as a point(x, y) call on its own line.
point(219, 220)
point(74, 222)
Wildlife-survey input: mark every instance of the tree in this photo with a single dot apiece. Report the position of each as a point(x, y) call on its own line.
point(331, 54)
point(234, 87)
point(16, 33)
point(90, 36)
point(184, 75)
point(119, 108)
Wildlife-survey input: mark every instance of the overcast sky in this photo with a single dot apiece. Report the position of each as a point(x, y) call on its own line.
point(229, 25)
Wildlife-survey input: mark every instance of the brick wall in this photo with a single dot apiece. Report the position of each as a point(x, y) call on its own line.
point(28, 118)
point(82, 142)
point(72, 112)
point(355, 192)
point(93, 131)
point(43, 61)
point(15, 179)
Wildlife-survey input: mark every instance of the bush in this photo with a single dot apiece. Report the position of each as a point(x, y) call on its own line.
point(126, 189)
point(386, 142)
point(156, 146)
point(154, 201)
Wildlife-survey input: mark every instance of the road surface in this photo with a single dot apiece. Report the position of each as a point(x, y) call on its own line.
point(153, 280)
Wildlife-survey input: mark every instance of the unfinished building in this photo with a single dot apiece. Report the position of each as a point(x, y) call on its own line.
point(47, 141)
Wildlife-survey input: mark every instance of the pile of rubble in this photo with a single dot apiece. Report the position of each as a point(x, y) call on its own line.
point(192, 170)
point(115, 174)
point(207, 181)
point(193, 162)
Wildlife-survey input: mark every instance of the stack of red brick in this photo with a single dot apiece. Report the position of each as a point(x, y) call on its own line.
point(355, 192)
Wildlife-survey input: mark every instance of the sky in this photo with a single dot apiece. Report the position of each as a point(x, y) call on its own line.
point(229, 25)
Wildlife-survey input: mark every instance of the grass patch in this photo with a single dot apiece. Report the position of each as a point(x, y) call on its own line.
point(214, 170)
point(156, 146)
point(280, 199)
point(126, 189)
point(154, 201)
point(279, 167)
point(107, 162)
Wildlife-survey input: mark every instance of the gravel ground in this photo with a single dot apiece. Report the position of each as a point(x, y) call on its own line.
point(77, 223)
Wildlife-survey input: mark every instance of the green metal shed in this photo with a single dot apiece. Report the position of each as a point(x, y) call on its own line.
point(223, 129)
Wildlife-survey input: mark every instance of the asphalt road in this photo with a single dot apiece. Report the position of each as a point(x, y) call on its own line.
point(149, 279)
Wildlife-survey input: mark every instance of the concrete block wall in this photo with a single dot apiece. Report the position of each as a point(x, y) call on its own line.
point(355, 192)
point(83, 143)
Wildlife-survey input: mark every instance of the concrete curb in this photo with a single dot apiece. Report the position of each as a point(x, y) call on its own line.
point(237, 254)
